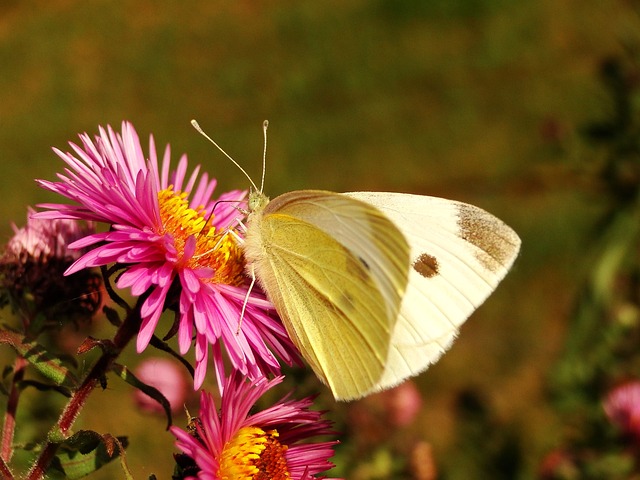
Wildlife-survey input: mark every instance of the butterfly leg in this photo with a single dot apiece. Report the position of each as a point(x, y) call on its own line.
point(237, 237)
point(241, 225)
point(220, 240)
point(243, 228)
point(246, 298)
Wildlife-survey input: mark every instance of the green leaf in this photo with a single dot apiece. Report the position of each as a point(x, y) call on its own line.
point(45, 362)
point(87, 451)
point(44, 387)
point(125, 374)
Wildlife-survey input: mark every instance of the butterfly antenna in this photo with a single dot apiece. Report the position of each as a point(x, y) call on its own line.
point(201, 132)
point(265, 125)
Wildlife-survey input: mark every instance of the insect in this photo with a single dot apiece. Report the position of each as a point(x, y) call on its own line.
point(372, 287)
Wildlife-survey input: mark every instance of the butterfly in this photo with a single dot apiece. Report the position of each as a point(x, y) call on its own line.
point(372, 287)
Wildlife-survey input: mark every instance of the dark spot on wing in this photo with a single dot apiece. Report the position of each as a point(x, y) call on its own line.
point(364, 263)
point(426, 265)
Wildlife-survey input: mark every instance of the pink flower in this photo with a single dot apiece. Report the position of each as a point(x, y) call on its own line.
point(622, 406)
point(168, 377)
point(380, 415)
point(269, 444)
point(168, 231)
point(31, 273)
point(404, 403)
point(46, 240)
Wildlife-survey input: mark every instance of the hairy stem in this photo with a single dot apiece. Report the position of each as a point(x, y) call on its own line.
point(8, 428)
point(5, 471)
point(124, 334)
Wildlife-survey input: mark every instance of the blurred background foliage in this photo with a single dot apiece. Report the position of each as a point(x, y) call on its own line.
point(528, 108)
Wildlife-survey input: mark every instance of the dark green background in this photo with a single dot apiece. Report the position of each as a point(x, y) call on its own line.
point(477, 100)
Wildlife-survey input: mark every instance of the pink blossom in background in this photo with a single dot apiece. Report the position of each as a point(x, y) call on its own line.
point(166, 375)
point(46, 240)
point(558, 464)
point(404, 403)
point(378, 416)
point(622, 406)
point(32, 266)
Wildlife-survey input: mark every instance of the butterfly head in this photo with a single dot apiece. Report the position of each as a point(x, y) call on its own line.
point(257, 201)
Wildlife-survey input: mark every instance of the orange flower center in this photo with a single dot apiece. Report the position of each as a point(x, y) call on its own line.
point(254, 454)
point(215, 249)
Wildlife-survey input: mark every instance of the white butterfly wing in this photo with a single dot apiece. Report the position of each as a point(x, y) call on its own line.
point(459, 254)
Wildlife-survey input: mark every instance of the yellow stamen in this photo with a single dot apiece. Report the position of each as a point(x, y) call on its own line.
point(254, 454)
point(214, 248)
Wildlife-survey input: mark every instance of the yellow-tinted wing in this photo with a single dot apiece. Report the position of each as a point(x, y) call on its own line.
point(339, 311)
point(360, 227)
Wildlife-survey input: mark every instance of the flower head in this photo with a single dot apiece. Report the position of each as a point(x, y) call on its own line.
point(231, 443)
point(169, 233)
point(31, 273)
point(622, 407)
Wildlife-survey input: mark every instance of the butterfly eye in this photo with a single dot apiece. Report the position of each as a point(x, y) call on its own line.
point(257, 202)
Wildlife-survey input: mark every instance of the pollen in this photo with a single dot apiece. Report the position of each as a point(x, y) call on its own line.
point(254, 454)
point(215, 248)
